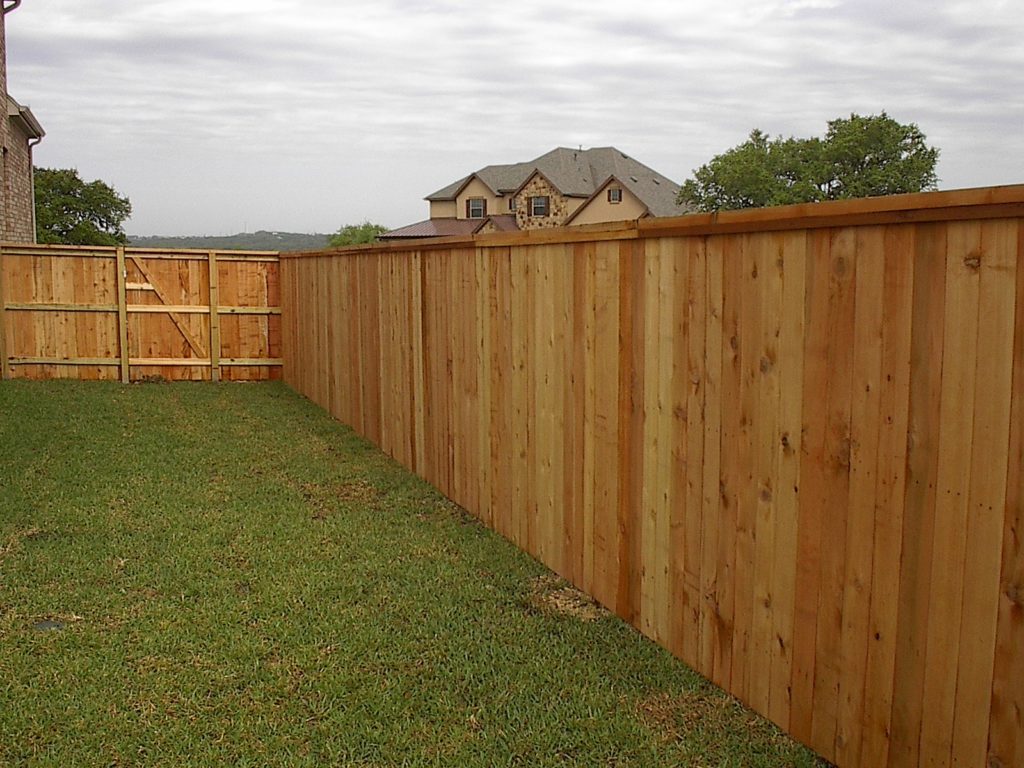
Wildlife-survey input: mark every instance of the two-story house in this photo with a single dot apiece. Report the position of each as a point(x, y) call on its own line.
point(563, 187)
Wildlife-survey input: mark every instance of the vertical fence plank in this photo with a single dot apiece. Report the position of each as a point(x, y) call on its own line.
point(214, 301)
point(655, 544)
point(710, 624)
point(788, 445)
point(122, 313)
point(1006, 732)
point(926, 352)
point(519, 392)
point(730, 480)
point(575, 456)
point(693, 380)
point(751, 285)
point(813, 484)
point(956, 417)
point(661, 343)
point(769, 265)
point(587, 268)
point(888, 513)
point(864, 430)
point(631, 428)
point(951, 512)
point(5, 366)
point(990, 460)
point(606, 336)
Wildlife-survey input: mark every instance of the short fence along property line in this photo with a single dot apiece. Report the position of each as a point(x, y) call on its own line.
point(129, 313)
point(786, 444)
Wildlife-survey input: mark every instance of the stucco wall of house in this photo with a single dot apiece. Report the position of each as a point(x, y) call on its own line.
point(599, 209)
point(442, 209)
point(560, 207)
point(477, 188)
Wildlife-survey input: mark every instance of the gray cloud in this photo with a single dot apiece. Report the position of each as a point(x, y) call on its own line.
point(308, 114)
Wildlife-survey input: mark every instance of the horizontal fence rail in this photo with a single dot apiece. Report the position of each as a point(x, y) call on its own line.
point(131, 313)
point(786, 444)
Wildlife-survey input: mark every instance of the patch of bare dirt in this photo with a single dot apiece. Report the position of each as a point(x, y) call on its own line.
point(554, 595)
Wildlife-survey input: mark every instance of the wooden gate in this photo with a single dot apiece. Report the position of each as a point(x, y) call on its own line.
point(130, 313)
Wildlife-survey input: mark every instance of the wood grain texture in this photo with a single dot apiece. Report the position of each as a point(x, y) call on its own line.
point(1006, 729)
point(793, 455)
point(99, 309)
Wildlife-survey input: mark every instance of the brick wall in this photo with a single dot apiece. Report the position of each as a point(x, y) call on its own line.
point(18, 188)
point(5, 132)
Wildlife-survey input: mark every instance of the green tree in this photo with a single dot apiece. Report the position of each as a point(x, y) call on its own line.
point(858, 157)
point(357, 234)
point(73, 212)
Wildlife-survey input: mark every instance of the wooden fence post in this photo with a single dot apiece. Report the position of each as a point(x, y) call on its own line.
point(122, 313)
point(214, 319)
point(5, 365)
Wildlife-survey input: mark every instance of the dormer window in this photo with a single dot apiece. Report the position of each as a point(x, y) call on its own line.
point(540, 205)
point(614, 195)
point(476, 208)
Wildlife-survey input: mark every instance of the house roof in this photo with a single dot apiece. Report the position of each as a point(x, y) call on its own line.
point(578, 173)
point(434, 228)
point(17, 112)
point(505, 222)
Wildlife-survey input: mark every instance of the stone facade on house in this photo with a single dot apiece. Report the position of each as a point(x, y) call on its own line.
point(558, 205)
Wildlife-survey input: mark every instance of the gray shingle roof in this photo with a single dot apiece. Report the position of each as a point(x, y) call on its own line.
point(579, 173)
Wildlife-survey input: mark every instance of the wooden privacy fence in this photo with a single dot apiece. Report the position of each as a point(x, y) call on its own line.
point(787, 444)
point(130, 313)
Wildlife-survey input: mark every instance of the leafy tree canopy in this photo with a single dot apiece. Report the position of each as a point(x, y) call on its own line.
point(857, 157)
point(73, 212)
point(357, 234)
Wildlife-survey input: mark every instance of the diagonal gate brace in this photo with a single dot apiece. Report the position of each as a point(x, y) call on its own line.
point(192, 342)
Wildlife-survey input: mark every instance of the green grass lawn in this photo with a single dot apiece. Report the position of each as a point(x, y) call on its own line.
point(222, 575)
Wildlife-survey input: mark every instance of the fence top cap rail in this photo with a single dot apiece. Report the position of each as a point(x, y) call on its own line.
point(967, 203)
point(809, 213)
point(130, 249)
point(203, 252)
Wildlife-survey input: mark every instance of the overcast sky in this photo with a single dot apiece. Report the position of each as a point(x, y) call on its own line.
point(304, 115)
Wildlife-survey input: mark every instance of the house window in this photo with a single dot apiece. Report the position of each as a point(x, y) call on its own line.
point(476, 208)
point(512, 204)
point(539, 205)
point(614, 195)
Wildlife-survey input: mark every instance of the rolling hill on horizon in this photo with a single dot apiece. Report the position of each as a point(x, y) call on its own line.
point(262, 240)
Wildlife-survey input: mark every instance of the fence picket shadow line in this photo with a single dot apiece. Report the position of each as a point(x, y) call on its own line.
point(786, 444)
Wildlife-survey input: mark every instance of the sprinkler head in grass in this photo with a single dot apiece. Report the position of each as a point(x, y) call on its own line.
point(47, 625)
